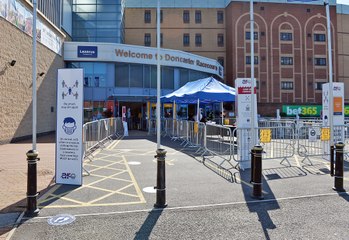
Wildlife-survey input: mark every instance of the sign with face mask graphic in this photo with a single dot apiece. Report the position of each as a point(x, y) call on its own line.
point(69, 126)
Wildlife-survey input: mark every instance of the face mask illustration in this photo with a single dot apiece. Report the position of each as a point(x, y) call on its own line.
point(69, 125)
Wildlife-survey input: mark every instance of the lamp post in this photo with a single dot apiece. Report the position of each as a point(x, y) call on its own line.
point(253, 130)
point(32, 155)
point(330, 70)
point(160, 153)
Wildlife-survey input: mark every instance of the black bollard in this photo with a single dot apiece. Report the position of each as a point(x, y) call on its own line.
point(160, 179)
point(339, 168)
point(252, 164)
point(257, 172)
point(32, 193)
point(332, 160)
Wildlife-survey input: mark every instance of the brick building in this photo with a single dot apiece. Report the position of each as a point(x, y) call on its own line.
point(291, 61)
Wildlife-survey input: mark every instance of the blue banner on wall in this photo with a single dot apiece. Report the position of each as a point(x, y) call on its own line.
point(87, 51)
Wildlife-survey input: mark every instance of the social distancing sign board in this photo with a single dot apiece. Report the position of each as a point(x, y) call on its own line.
point(245, 111)
point(69, 149)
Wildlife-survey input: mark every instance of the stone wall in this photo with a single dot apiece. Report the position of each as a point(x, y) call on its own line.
point(16, 85)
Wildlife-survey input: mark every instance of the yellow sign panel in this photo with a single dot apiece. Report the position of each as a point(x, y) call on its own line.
point(196, 127)
point(265, 135)
point(325, 134)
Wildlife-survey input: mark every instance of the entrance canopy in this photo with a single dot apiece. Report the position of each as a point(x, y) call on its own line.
point(206, 90)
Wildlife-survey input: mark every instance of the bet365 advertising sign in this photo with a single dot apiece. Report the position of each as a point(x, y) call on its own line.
point(307, 110)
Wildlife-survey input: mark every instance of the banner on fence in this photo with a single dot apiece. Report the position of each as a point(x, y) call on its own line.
point(69, 126)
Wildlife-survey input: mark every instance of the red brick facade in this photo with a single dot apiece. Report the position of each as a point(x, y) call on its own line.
point(302, 75)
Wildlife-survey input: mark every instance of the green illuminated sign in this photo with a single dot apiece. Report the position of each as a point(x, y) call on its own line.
point(307, 110)
point(304, 110)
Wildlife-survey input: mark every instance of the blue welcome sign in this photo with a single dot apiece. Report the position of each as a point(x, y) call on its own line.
point(87, 51)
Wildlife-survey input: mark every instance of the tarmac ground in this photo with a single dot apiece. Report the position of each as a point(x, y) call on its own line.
point(206, 198)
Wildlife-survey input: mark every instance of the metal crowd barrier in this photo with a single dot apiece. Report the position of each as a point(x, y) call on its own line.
point(219, 141)
point(151, 126)
point(277, 142)
point(280, 139)
point(96, 133)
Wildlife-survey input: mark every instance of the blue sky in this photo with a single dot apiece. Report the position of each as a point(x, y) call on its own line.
point(343, 2)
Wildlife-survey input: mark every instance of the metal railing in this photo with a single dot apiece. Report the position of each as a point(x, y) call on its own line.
point(280, 139)
point(96, 133)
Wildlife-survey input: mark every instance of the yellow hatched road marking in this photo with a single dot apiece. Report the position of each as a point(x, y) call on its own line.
point(48, 193)
point(104, 167)
point(67, 199)
point(94, 205)
point(112, 177)
point(107, 177)
point(138, 190)
point(109, 194)
point(132, 182)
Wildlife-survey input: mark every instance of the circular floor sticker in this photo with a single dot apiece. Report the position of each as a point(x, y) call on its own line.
point(134, 163)
point(61, 219)
point(149, 190)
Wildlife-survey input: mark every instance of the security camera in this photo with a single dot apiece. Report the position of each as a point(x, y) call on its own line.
point(12, 63)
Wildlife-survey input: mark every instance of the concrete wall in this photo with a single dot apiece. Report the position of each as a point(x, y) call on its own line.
point(16, 81)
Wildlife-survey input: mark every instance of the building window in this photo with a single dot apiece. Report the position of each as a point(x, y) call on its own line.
point(147, 16)
point(286, 85)
point(319, 37)
point(186, 16)
point(186, 39)
point(147, 39)
point(318, 85)
point(320, 61)
point(198, 40)
point(197, 16)
point(220, 60)
point(161, 39)
point(285, 36)
point(220, 17)
point(220, 40)
point(161, 16)
point(286, 60)
point(248, 60)
point(248, 36)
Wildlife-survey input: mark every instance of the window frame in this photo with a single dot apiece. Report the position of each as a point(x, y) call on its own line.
point(317, 37)
point(220, 40)
point(286, 61)
point(286, 36)
point(286, 85)
point(248, 60)
point(198, 17)
point(147, 39)
point(220, 17)
point(147, 16)
point(198, 40)
point(248, 35)
point(186, 36)
point(186, 16)
point(320, 61)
